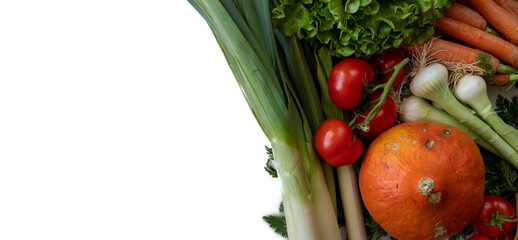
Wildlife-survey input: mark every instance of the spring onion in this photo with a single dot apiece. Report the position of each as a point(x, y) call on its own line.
point(432, 83)
point(472, 90)
point(416, 109)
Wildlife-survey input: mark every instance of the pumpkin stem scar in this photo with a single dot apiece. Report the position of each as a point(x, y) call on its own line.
point(425, 185)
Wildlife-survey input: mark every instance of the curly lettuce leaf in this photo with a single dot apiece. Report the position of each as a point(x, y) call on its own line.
point(360, 27)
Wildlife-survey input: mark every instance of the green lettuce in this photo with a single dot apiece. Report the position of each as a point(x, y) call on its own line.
point(360, 27)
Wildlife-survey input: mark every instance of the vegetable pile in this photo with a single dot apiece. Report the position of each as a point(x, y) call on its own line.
point(383, 98)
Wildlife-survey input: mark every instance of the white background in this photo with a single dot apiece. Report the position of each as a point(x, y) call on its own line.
point(121, 120)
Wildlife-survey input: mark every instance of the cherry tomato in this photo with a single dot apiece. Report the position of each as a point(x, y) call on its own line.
point(384, 119)
point(386, 61)
point(489, 218)
point(334, 142)
point(512, 201)
point(509, 236)
point(479, 237)
point(354, 152)
point(347, 80)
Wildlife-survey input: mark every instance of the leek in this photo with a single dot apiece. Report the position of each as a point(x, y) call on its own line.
point(416, 109)
point(472, 90)
point(270, 86)
point(347, 179)
point(432, 83)
point(305, 88)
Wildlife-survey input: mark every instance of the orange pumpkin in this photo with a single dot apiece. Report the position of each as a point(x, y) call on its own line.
point(422, 180)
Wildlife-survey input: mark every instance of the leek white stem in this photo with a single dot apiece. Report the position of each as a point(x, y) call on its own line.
point(432, 83)
point(351, 202)
point(472, 90)
point(325, 213)
point(416, 109)
point(320, 195)
point(296, 196)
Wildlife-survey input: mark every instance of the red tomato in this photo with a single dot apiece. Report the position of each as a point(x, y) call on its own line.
point(384, 119)
point(347, 80)
point(512, 201)
point(489, 218)
point(354, 152)
point(335, 144)
point(509, 236)
point(479, 237)
point(385, 62)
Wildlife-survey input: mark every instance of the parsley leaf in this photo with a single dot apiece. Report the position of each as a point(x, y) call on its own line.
point(507, 109)
point(270, 164)
point(277, 222)
point(485, 63)
point(463, 234)
point(501, 176)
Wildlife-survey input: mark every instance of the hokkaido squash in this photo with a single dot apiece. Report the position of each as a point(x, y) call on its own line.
point(422, 180)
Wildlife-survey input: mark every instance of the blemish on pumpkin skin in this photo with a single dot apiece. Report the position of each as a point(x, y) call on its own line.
point(438, 133)
point(430, 143)
point(439, 229)
point(392, 146)
point(446, 132)
point(385, 165)
point(424, 130)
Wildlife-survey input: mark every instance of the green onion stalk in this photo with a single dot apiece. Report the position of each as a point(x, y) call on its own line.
point(270, 87)
point(432, 83)
point(472, 90)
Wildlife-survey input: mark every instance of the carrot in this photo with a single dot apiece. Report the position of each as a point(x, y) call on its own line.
point(464, 2)
point(466, 15)
point(498, 47)
point(504, 22)
point(512, 6)
point(452, 52)
point(500, 79)
point(501, 3)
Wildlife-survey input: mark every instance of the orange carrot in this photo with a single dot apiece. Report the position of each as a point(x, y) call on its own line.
point(466, 15)
point(463, 2)
point(501, 3)
point(500, 79)
point(512, 6)
point(498, 47)
point(505, 23)
point(508, 6)
point(452, 52)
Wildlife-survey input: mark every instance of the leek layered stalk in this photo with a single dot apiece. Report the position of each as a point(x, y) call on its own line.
point(347, 179)
point(432, 83)
point(248, 42)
